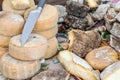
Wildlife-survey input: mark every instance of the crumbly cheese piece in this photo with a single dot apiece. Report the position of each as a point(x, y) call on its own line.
point(35, 48)
point(3, 51)
point(17, 69)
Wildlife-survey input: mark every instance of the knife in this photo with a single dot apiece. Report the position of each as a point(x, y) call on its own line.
point(31, 21)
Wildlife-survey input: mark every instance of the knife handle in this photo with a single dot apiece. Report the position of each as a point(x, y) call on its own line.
point(41, 3)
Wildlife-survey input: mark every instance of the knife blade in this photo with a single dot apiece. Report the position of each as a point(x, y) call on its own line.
point(31, 21)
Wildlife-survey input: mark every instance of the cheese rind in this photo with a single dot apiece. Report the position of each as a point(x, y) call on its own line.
point(4, 41)
point(17, 69)
point(49, 33)
point(112, 72)
point(3, 51)
point(47, 19)
point(52, 47)
point(7, 6)
point(35, 48)
point(10, 23)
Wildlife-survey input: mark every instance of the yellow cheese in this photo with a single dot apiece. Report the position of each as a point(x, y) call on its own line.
point(20, 4)
point(92, 3)
point(4, 41)
point(3, 51)
point(7, 6)
point(10, 23)
point(48, 33)
point(47, 19)
point(52, 47)
point(35, 48)
point(17, 69)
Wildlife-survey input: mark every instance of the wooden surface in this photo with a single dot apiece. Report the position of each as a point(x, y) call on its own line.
point(53, 2)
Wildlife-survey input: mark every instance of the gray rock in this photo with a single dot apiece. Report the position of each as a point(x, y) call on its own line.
point(116, 29)
point(118, 17)
point(117, 6)
point(111, 13)
point(101, 11)
point(115, 43)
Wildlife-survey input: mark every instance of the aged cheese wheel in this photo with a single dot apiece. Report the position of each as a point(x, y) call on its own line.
point(48, 18)
point(17, 69)
point(20, 4)
point(112, 72)
point(102, 57)
point(7, 6)
point(77, 66)
point(49, 33)
point(4, 41)
point(3, 51)
point(35, 48)
point(52, 47)
point(11, 23)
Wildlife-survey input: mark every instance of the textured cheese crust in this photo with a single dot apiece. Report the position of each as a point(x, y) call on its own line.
point(17, 69)
point(49, 33)
point(10, 23)
point(7, 6)
point(105, 55)
point(47, 19)
point(77, 66)
point(35, 48)
point(3, 51)
point(20, 4)
point(112, 72)
point(4, 41)
point(52, 47)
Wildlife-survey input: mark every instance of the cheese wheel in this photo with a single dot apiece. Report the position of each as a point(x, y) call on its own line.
point(20, 4)
point(7, 6)
point(47, 19)
point(17, 69)
point(77, 66)
point(11, 23)
point(112, 72)
point(52, 47)
point(3, 51)
point(4, 41)
point(48, 33)
point(35, 48)
point(105, 55)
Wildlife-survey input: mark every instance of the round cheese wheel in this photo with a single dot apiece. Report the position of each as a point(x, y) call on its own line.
point(8, 6)
point(52, 47)
point(3, 51)
point(4, 41)
point(35, 48)
point(102, 57)
point(11, 23)
point(17, 69)
point(48, 33)
point(47, 19)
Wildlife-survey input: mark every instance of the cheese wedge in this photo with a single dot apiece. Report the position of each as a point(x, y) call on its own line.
point(10, 23)
point(49, 33)
point(4, 41)
point(3, 51)
point(52, 47)
point(77, 66)
point(17, 69)
point(7, 5)
point(112, 72)
point(35, 48)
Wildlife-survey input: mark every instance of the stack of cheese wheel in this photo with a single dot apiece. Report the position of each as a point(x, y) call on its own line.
point(47, 26)
point(10, 24)
point(22, 62)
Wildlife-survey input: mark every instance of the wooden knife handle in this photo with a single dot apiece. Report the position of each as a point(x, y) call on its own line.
point(41, 3)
